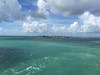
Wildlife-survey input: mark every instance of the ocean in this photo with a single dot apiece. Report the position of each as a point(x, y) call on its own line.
point(28, 55)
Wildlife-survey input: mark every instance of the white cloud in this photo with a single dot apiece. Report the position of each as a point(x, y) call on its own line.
point(42, 8)
point(43, 28)
point(73, 7)
point(9, 10)
point(74, 27)
point(91, 23)
point(58, 29)
point(88, 23)
point(2, 31)
point(34, 26)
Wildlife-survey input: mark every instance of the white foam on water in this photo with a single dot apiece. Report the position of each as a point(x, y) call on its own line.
point(46, 58)
point(80, 55)
point(96, 42)
point(36, 68)
point(28, 67)
point(51, 58)
point(90, 55)
point(86, 55)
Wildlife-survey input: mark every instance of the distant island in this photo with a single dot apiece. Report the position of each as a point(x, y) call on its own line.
point(54, 36)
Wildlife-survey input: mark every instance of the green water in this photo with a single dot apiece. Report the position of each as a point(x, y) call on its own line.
point(49, 56)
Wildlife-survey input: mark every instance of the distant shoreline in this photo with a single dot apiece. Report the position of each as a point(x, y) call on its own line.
point(45, 36)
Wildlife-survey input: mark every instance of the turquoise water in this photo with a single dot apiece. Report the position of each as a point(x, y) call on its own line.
point(49, 56)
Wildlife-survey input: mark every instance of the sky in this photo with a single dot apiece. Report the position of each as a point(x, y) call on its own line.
point(50, 17)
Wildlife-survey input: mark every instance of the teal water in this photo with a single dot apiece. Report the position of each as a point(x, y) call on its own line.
point(49, 56)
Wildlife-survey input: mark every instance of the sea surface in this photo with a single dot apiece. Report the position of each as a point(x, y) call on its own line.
point(25, 55)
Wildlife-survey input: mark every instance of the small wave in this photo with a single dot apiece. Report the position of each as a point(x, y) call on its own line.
point(81, 55)
point(28, 70)
point(28, 67)
point(96, 42)
point(36, 68)
point(46, 58)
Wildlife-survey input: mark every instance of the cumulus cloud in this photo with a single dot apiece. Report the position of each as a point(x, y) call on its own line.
point(58, 29)
point(9, 10)
point(73, 7)
point(43, 28)
point(2, 31)
point(74, 27)
point(34, 26)
point(88, 23)
point(41, 12)
point(42, 8)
